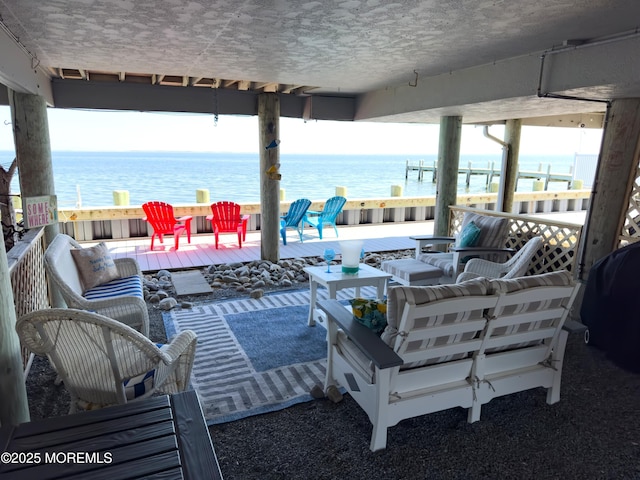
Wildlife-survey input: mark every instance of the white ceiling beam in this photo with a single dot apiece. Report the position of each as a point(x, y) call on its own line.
point(20, 71)
point(598, 72)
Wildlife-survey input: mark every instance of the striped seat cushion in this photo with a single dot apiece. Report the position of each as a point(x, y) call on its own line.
point(560, 278)
point(493, 230)
point(493, 234)
point(121, 287)
point(412, 271)
point(397, 297)
point(356, 358)
point(441, 261)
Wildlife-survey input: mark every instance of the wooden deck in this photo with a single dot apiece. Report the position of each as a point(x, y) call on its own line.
point(201, 252)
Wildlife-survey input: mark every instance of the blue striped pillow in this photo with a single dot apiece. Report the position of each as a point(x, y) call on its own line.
point(121, 287)
point(137, 386)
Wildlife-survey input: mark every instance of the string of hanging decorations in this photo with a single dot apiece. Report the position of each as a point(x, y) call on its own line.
point(215, 102)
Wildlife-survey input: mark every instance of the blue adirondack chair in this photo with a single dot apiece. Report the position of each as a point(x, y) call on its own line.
point(327, 216)
point(293, 218)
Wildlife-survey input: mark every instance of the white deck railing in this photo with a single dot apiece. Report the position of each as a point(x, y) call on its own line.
point(121, 222)
point(28, 279)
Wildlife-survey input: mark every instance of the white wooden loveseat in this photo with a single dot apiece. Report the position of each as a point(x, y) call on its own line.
point(457, 345)
point(121, 299)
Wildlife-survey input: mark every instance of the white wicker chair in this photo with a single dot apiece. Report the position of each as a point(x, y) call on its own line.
point(440, 267)
point(62, 272)
point(104, 362)
point(516, 266)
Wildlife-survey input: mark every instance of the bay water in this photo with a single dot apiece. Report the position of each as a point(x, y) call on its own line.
point(88, 179)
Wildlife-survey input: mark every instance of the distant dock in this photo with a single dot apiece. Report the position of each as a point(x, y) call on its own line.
point(490, 171)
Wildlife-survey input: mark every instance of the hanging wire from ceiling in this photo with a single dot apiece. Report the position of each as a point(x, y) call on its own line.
point(215, 102)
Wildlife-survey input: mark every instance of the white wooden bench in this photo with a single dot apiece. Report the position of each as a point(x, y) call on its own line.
point(122, 299)
point(457, 345)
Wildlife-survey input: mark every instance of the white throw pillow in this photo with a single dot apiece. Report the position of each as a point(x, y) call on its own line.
point(95, 265)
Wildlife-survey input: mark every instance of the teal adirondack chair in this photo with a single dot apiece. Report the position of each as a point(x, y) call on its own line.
point(327, 216)
point(293, 218)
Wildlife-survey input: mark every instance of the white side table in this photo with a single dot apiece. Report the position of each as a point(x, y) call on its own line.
point(336, 280)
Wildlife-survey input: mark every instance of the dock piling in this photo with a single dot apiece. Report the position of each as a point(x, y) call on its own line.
point(491, 171)
point(202, 195)
point(121, 198)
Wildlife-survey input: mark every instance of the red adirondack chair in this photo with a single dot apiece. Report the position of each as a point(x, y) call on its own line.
point(160, 217)
point(226, 218)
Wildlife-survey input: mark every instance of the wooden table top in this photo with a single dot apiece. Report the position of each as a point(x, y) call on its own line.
point(162, 436)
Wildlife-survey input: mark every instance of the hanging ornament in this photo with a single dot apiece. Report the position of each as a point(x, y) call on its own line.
point(215, 102)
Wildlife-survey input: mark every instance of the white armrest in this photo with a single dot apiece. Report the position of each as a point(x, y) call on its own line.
point(127, 267)
point(423, 240)
point(460, 252)
point(365, 339)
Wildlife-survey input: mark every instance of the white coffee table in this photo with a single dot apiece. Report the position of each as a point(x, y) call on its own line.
point(336, 280)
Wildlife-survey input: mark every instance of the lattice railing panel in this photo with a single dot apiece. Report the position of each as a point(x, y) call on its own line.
point(631, 228)
point(28, 279)
point(560, 240)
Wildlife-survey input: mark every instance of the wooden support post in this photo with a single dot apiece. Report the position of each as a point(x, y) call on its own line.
point(510, 169)
point(121, 198)
point(33, 151)
point(120, 228)
point(202, 196)
point(615, 175)
point(7, 209)
point(341, 191)
point(14, 408)
point(269, 125)
point(447, 181)
point(546, 181)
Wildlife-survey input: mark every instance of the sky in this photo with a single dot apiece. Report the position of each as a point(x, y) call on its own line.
point(84, 130)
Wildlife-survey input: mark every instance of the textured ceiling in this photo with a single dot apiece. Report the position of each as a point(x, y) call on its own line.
point(340, 47)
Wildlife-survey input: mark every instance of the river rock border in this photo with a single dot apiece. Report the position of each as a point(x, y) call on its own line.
point(251, 278)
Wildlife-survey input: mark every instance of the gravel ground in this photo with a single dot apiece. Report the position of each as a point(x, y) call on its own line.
point(592, 433)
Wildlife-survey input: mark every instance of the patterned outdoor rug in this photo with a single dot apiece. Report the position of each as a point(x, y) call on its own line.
point(255, 355)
